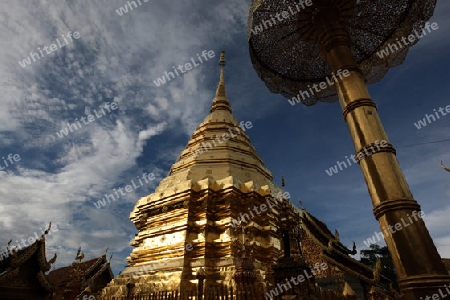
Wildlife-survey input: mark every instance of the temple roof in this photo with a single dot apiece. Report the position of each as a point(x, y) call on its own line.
point(93, 267)
point(62, 279)
point(30, 260)
point(336, 253)
point(323, 234)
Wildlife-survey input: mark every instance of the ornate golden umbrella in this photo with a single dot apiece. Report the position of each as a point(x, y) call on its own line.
point(302, 48)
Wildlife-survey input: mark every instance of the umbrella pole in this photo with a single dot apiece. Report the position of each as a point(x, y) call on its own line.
point(420, 269)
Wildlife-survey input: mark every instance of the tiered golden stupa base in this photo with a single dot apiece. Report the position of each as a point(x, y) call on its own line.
point(195, 232)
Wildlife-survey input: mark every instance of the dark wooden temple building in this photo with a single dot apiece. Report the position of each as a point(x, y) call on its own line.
point(22, 273)
point(80, 279)
point(342, 273)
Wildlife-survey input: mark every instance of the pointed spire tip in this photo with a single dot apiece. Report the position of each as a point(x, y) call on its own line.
point(222, 59)
point(220, 102)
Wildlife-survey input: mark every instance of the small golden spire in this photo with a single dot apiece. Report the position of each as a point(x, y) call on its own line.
point(222, 59)
point(221, 100)
point(220, 92)
point(283, 184)
point(80, 255)
point(301, 203)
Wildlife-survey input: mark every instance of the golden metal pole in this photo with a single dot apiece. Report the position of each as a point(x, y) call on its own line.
point(420, 270)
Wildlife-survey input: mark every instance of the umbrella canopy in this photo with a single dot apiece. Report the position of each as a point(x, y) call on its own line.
point(283, 37)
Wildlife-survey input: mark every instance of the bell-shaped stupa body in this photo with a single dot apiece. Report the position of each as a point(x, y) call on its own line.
point(217, 204)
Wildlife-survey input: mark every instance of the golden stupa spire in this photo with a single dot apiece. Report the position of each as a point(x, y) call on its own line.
point(220, 102)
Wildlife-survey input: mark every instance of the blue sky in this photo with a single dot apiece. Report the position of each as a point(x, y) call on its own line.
point(116, 58)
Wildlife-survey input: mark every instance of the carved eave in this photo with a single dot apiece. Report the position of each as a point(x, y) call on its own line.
point(337, 254)
point(101, 260)
point(44, 282)
point(10, 273)
point(43, 263)
point(25, 254)
point(321, 234)
point(352, 266)
point(37, 247)
point(445, 168)
point(105, 268)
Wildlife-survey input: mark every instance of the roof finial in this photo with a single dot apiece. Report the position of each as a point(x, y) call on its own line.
point(283, 184)
point(221, 100)
point(222, 59)
point(221, 88)
point(80, 255)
